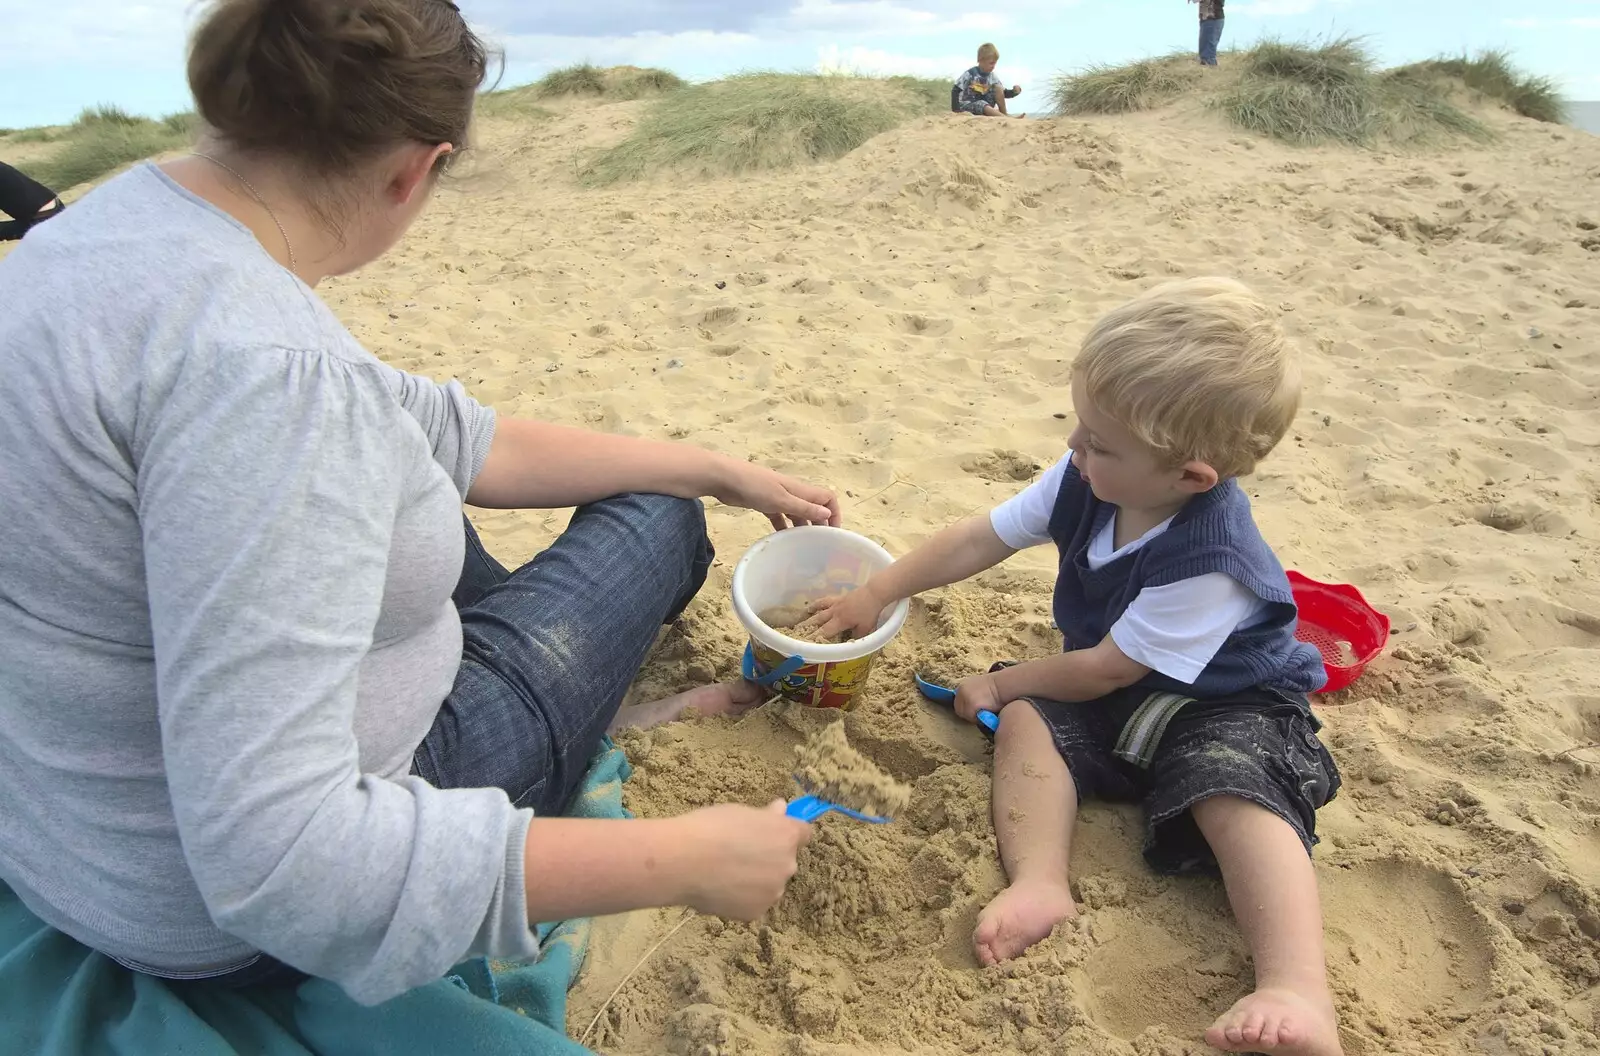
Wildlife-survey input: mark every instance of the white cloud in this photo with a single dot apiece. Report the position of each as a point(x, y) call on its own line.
point(885, 16)
point(618, 18)
point(849, 24)
point(640, 49)
point(146, 35)
point(602, 18)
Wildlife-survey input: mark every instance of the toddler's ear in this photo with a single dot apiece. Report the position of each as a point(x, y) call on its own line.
point(1197, 477)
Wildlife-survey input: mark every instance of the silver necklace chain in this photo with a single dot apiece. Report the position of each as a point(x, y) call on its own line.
point(257, 196)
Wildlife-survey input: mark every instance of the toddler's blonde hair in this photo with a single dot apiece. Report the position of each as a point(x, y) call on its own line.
point(1196, 370)
point(988, 51)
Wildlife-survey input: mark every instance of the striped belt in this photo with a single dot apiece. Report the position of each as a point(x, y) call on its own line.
point(1141, 734)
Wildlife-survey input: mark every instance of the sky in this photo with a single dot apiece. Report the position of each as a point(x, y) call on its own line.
point(57, 58)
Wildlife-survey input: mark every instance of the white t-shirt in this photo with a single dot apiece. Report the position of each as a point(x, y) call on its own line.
point(1175, 629)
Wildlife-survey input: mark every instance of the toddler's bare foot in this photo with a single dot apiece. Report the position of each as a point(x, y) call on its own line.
point(724, 698)
point(1278, 1022)
point(1020, 916)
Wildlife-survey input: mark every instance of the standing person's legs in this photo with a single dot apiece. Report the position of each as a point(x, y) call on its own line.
point(23, 198)
point(1210, 37)
point(550, 649)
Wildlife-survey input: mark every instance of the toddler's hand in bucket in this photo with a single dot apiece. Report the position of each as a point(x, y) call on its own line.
point(745, 857)
point(784, 500)
point(855, 613)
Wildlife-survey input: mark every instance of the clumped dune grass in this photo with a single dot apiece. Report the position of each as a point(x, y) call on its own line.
point(1493, 75)
point(763, 121)
point(522, 103)
point(108, 115)
point(36, 135)
point(648, 81)
point(1142, 85)
point(184, 124)
point(1334, 93)
point(615, 82)
point(1318, 93)
point(1305, 94)
point(582, 79)
point(102, 139)
point(585, 81)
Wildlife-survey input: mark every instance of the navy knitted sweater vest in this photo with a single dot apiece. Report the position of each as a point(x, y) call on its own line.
point(1214, 532)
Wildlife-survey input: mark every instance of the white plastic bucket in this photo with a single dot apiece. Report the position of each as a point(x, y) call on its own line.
point(801, 564)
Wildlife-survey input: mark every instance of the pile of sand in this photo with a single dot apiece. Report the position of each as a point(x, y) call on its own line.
point(828, 768)
point(899, 325)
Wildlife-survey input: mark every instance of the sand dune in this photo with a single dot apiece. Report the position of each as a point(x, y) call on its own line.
point(899, 324)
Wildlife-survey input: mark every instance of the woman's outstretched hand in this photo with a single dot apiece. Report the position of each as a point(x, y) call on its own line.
point(784, 500)
point(745, 857)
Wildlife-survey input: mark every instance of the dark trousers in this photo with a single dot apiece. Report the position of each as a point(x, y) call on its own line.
point(22, 198)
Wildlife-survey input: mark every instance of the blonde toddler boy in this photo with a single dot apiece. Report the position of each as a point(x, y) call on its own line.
point(979, 91)
point(1181, 683)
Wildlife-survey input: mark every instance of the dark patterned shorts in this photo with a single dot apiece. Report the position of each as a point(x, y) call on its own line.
point(1171, 753)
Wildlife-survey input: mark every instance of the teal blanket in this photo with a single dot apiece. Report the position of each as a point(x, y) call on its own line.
point(60, 998)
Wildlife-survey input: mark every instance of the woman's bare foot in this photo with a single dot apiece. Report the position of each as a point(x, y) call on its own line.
point(724, 698)
point(1278, 1022)
point(1018, 917)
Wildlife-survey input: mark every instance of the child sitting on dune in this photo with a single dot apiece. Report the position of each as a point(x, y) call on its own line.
point(1182, 682)
point(979, 91)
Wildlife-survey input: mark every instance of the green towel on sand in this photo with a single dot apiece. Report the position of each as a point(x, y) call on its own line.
point(60, 998)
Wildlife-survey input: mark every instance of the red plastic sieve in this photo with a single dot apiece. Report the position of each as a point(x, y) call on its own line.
point(1336, 619)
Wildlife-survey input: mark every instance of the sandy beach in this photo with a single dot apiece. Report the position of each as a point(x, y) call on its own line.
point(899, 325)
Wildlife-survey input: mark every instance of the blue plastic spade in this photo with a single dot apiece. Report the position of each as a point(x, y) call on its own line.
point(944, 695)
point(810, 808)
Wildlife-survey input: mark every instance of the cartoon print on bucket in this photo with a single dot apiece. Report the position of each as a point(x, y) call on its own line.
point(800, 565)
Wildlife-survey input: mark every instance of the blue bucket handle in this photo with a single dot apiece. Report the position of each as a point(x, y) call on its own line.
point(787, 667)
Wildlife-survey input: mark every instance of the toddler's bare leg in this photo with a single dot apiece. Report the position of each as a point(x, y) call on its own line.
point(1273, 891)
point(1035, 805)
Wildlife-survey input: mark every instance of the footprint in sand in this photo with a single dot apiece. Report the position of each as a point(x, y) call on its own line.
point(1402, 934)
point(1173, 963)
point(1004, 466)
point(923, 325)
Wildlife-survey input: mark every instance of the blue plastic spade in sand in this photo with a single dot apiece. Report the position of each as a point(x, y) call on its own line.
point(944, 695)
point(809, 808)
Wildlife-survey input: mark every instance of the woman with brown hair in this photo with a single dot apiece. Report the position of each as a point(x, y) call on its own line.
point(267, 708)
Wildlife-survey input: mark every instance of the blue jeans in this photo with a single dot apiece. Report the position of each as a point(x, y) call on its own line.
point(548, 652)
point(1210, 37)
